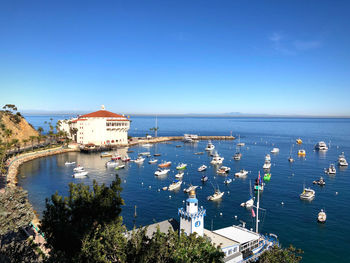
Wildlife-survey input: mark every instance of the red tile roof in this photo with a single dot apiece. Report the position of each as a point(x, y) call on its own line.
point(102, 114)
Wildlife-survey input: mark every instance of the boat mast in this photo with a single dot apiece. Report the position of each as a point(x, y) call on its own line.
point(257, 208)
point(156, 129)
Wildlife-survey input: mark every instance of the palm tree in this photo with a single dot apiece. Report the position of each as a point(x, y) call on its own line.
point(32, 138)
point(40, 130)
point(25, 141)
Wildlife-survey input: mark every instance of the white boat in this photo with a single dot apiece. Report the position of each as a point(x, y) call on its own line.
point(190, 188)
point(217, 159)
point(223, 170)
point(111, 163)
point(181, 166)
point(240, 144)
point(174, 185)
point(275, 150)
point(210, 146)
point(78, 169)
point(331, 170)
point(290, 159)
point(146, 145)
point(120, 166)
point(161, 172)
point(268, 157)
point(321, 217)
point(202, 168)
point(116, 157)
point(144, 153)
point(237, 156)
point(307, 194)
point(139, 160)
point(250, 202)
point(341, 160)
point(152, 161)
point(80, 174)
point(228, 181)
point(179, 175)
point(126, 158)
point(69, 163)
point(241, 173)
point(267, 165)
point(217, 195)
point(321, 146)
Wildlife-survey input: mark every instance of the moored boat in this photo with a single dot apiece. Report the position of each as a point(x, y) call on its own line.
point(120, 166)
point(139, 160)
point(164, 164)
point(210, 146)
point(181, 166)
point(228, 181)
point(299, 141)
point(217, 159)
point(302, 153)
point(126, 158)
point(307, 194)
point(111, 163)
point(330, 170)
point(105, 154)
point(237, 156)
point(322, 217)
point(267, 177)
point(223, 170)
point(320, 182)
point(152, 161)
point(202, 168)
point(216, 196)
point(242, 173)
point(69, 163)
point(174, 185)
point(78, 169)
point(179, 175)
point(204, 178)
point(80, 174)
point(275, 150)
point(341, 160)
point(116, 157)
point(161, 172)
point(321, 146)
point(190, 188)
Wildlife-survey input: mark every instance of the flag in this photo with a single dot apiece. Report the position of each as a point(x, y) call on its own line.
point(253, 213)
point(259, 178)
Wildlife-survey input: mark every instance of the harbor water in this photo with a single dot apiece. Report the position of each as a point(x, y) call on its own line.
point(284, 214)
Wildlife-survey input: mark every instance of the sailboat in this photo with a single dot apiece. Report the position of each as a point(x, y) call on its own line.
point(290, 159)
point(240, 144)
point(250, 202)
point(237, 156)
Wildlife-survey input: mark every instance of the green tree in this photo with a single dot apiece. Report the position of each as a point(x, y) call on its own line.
point(32, 138)
point(40, 130)
point(67, 220)
point(281, 255)
point(3, 152)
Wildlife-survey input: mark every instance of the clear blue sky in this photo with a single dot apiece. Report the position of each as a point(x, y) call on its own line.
point(275, 57)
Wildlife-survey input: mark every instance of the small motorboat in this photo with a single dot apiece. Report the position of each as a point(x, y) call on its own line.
point(216, 196)
point(78, 169)
point(248, 203)
point(299, 141)
point(126, 158)
point(240, 144)
point(321, 217)
point(307, 194)
point(161, 172)
point(139, 160)
point(165, 188)
point(111, 163)
point(69, 163)
point(242, 173)
point(190, 188)
point(80, 175)
point(267, 165)
point(210, 146)
point(174, 185)
point(204, 178)
point(144, 154)
point(228, 181)
point(116, 157)
point(301, 153)
point(320, 182)
point(321, 146)
point(157, 154)
point(146, 145)
point(152, 161)
point(217, 159)
point(237, 156)
point(181, 166)
point(275, 150)
point(268, 158)
point(267, 177)
point(164, 164)
point(179, 175)
point(120, 166)
point(290, 159)
point(202, 168)
point(178, 146)
point(330, 170)
point(105, 154)
point(341, 160)
point(223, 170)
point(199, 153)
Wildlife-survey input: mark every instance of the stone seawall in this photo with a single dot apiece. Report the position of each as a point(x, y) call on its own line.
point(17, 161)
point(178, 138)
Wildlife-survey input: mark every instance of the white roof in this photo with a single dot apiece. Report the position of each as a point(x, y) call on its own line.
point(236, 233)
point(217, 239)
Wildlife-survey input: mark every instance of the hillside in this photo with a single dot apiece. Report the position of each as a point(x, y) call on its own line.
point(21, 129)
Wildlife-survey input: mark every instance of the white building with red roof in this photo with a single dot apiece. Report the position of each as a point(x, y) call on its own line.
point(99, 128)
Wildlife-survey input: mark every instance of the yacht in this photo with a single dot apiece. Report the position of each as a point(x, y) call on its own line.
point(268, 157)
point(223, 170)
point(139, 160)
point(80, 174)
point(181, 166)
point(322, 217)
point(179, 175)
point(330, 170)
point(302, 153)
point(202, 168)
point(341, 160)
point(241, 173)
point(78, 169)
point(275, 150)
point(307, 194)
point(237, 156)
point(152, 161)
point(210, 146)
point(161, 172)
point(217, 195)
point(217, 159)
point(164, 164)
point(190, 188)
point(321, 146)
point(111, 163)
point(267, 165)
point(174, 185)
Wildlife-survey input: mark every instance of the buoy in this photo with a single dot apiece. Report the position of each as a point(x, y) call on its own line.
point(336, 193)
point(124, 181)
point(282, 203)
point(149, 187)
point(220, 214)
point(169, 196)
point(142, 183)
point(228, 192)
point(236, 217)
point(158, 190)
point(183, 201)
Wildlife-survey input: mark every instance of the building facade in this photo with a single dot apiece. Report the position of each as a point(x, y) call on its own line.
point(101, 128)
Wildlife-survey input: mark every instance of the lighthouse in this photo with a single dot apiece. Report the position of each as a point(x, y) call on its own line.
point(192, 217)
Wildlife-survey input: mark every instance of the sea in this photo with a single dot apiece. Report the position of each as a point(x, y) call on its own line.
point(283, 213)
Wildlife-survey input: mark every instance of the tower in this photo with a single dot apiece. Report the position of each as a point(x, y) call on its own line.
point(192, 219)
